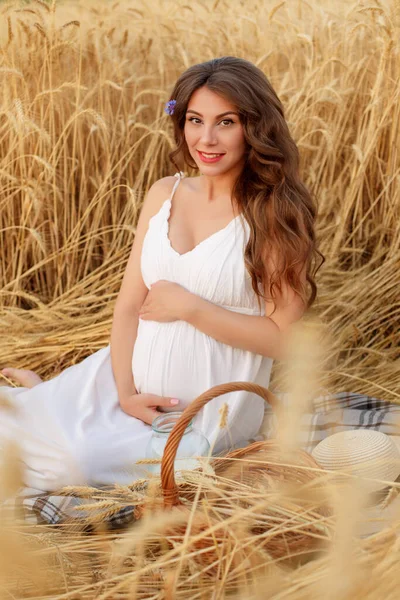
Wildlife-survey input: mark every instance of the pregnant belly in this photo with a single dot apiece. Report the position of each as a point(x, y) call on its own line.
point(175, 359)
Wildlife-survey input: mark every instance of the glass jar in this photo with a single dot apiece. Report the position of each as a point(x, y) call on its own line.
point(192, 444)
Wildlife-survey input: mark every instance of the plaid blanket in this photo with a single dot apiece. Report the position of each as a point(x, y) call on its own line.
point(331, 413)
point(340, 412)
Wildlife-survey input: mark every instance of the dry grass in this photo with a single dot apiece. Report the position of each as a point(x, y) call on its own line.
point(216, 546)
point(82, 137)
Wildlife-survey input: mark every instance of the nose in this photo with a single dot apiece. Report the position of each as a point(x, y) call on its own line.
point(208, 135)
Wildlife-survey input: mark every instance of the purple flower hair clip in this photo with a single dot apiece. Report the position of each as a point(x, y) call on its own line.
point(170, 107)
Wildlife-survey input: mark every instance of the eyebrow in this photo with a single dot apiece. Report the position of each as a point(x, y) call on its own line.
point(229, 112)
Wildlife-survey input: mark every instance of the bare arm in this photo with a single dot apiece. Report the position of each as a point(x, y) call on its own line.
point(132, 294)
point(266, 335)
point(123, 337)
point(257, 334)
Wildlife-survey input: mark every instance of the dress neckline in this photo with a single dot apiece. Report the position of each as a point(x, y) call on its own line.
point(168, 203)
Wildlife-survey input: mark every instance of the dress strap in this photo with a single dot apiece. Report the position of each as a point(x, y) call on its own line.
point(180, 175)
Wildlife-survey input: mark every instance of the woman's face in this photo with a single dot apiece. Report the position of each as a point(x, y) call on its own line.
point(212, 126)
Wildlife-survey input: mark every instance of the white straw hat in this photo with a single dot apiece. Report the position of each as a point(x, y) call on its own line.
point(361, 452)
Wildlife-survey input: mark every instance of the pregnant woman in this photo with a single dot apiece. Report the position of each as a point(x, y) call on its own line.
point(221, 265)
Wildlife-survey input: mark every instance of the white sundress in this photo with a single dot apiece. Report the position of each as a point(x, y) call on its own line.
point(71, 428)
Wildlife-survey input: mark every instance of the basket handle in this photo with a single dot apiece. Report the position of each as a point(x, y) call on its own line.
point(169, 487)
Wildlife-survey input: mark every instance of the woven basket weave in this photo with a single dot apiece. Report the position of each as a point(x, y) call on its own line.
point(301, 529)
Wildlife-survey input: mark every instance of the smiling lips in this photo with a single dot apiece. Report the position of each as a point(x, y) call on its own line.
point(205, 157)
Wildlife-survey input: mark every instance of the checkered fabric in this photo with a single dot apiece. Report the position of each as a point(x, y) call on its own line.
point(37, 508)
point(340, 412)
point(331, 413)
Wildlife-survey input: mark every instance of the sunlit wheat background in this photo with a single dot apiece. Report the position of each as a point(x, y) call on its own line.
point(83, 135)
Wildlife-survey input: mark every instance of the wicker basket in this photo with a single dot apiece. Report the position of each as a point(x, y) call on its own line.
point(302, 522)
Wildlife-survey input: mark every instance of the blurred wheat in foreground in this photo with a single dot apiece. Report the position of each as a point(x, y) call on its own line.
point(83, 136)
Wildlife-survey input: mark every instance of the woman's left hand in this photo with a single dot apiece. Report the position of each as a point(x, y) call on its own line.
point(166, 301)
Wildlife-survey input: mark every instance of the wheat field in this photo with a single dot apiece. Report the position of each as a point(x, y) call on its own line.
point(84, 135)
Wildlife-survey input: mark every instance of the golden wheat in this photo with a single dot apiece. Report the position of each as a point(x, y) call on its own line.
point(83, 136)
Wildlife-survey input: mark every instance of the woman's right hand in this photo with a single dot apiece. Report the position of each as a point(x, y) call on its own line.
point(144, 406)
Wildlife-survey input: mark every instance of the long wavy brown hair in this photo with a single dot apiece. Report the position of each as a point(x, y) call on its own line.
point(269, 192)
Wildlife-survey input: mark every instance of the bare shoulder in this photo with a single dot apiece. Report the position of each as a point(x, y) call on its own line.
point(161, 189)
point(158, 192)
point(133, 289)
point(165, 184)
point(168, 182)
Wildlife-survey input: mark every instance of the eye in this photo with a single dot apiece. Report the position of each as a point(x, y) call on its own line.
point(227, 121)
